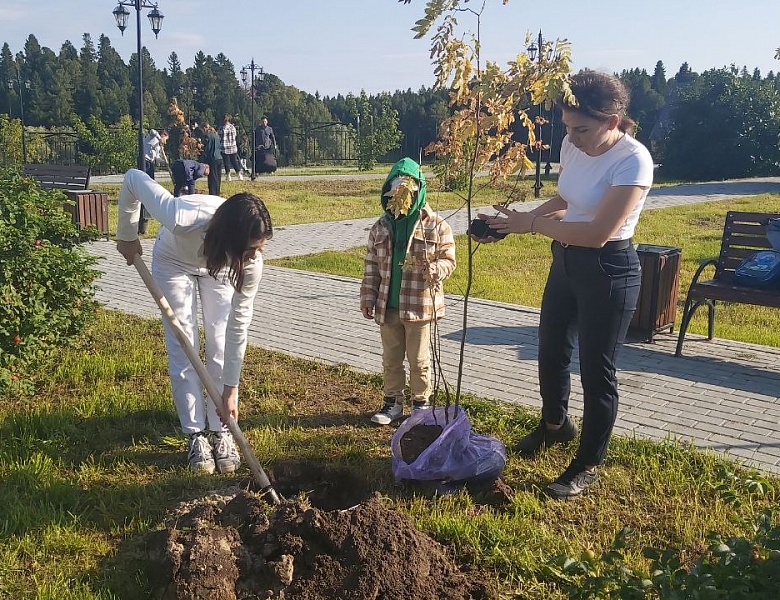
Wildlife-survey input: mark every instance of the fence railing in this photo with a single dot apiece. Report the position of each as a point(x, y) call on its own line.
point(317, 143)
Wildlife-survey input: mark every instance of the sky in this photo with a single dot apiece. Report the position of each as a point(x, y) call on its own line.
point(342, 46)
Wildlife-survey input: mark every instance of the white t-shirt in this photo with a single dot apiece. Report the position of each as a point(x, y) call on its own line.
point(584, 180)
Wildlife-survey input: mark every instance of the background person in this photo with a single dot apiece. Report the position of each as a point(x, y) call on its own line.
point(411, 251)
point(185, 172)
point(209, 250)
point(212, 157)
point(265, 153)
point(229, 147)
point(154, 143)
point(593, 285)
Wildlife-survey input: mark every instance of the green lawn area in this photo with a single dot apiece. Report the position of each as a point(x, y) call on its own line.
point(94, 459)
point(515, 269)
point(314, 201)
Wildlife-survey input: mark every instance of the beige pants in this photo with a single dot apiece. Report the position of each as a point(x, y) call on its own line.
point(399, 339)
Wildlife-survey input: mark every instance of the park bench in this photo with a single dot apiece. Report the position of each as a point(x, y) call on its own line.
point(743, 234)
point(89, 207)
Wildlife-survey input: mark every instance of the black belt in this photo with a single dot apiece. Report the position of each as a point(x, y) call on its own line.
point(613, 245)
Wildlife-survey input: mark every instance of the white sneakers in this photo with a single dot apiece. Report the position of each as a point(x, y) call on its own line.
point(225, 452)
point(203, 457)
point(391, 410)
point(199, 453)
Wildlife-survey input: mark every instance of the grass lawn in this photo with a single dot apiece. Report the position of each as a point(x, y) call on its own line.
point(319, 200)
point(515, 269)
point(94, 459)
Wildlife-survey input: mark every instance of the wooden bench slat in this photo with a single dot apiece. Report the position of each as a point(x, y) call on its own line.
point(59, 177)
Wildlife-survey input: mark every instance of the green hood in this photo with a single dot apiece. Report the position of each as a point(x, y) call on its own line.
point(403, 227)
point(406, 166)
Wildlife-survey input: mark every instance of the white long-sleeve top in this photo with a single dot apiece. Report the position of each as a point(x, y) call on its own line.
point(180, 244)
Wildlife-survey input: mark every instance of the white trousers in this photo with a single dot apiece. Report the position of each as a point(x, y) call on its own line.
point(183, 287)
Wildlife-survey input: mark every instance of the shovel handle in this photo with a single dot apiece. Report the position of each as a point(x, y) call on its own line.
point(211, 387)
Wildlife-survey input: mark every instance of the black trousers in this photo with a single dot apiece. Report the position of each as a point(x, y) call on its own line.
point(590, 297)
point(143, 220)
point(180, 180)
point(214, 177)
point(231, 160)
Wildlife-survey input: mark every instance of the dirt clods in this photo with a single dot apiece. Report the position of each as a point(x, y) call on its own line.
point(233, 546)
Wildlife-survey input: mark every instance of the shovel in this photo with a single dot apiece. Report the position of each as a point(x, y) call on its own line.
point(211, 387)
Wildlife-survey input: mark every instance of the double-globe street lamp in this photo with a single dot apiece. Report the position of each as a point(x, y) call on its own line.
point(252, 67)
point(22, 86)
point(155, 18)
point(543, 51)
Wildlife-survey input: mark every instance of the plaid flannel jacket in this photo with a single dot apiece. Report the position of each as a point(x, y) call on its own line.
point(421, 299)
point(227, 135)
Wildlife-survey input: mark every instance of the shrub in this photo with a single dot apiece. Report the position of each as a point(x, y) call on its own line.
point(732, 568)
point(107, 149)
point(46, 279)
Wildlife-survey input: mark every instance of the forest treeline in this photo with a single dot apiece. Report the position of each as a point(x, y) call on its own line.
point(721, 123)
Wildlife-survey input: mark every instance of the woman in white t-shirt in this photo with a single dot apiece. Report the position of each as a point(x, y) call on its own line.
point(208, 251)
point(593, 286)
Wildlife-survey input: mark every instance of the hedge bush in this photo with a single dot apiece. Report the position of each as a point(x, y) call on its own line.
point(46, 278)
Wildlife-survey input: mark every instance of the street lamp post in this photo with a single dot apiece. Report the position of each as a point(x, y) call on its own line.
point(155, 19)
point(542, 51)
point(244, 78)
point(548, 166)
point(22, 87)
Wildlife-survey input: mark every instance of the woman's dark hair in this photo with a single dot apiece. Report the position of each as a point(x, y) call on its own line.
point(241, 220)
point(599, 96)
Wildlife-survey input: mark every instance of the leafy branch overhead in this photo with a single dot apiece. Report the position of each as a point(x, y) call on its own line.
point(487, 102)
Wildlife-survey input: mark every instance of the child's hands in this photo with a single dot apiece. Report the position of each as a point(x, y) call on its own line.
point(368, 312)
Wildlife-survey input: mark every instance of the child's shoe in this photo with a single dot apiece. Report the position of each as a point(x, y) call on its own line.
point(391, 410)
point(421, 405)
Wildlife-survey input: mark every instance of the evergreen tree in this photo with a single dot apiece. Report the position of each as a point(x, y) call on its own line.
point(88, 84)
point(658, 82)
point(115, 89)
point(7, 72)
point(684, 75)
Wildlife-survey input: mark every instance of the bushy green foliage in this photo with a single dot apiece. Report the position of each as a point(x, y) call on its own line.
point(46, 293)
point(377, 132)
point(725, 125)
point(10, 141)
point(108, 150)
point(732, 568)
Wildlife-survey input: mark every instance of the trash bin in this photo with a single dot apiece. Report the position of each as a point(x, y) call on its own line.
point(657, 305)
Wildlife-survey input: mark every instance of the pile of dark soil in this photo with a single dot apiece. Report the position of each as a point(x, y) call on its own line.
point(235, 546)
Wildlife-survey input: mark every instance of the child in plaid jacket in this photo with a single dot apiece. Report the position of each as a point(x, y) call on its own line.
point(411, 250)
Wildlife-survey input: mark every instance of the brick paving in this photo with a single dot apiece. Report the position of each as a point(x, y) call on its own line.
point(722, 395)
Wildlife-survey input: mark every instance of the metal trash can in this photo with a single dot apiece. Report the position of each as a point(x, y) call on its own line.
point(657, 305)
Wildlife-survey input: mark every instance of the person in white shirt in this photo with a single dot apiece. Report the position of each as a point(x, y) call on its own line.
point(593, 286)
point(209, 249)
point(229, 147)
point(154, 150)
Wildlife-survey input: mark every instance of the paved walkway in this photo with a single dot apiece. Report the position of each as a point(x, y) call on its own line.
point(722, 395)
